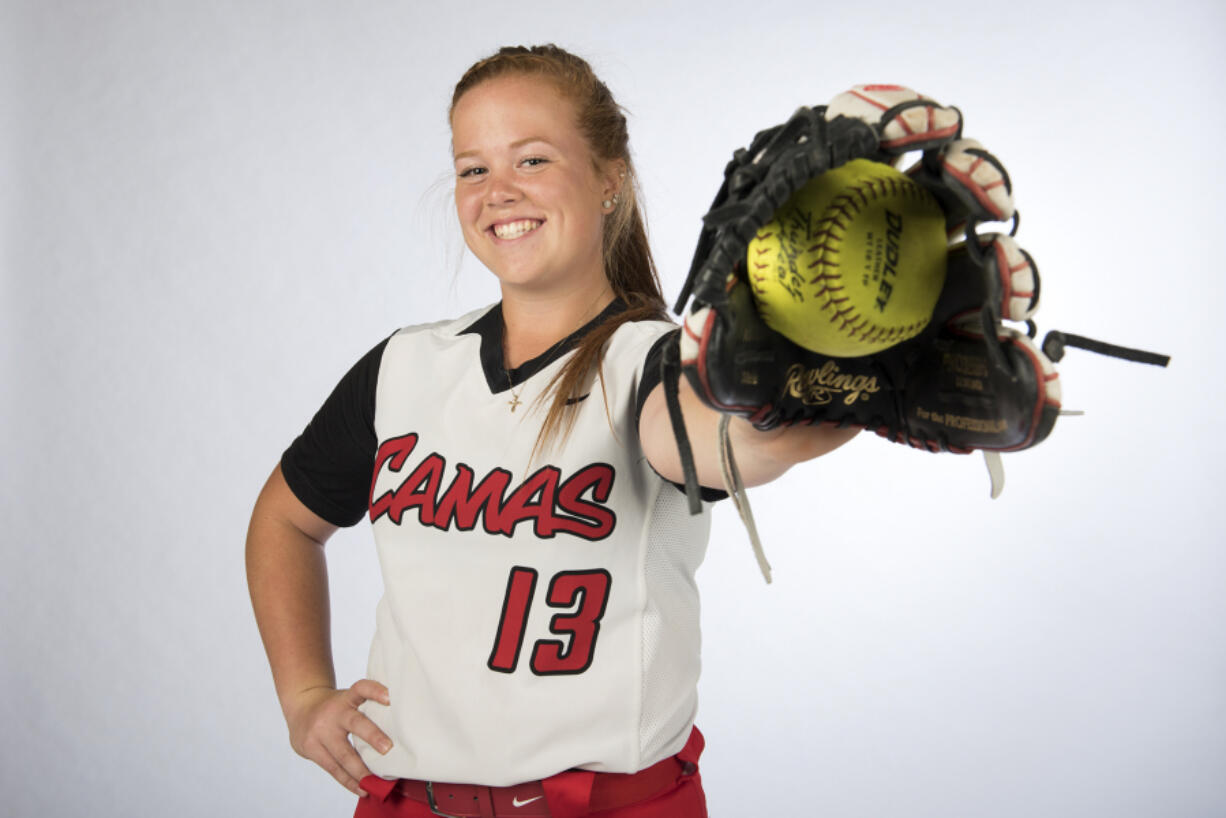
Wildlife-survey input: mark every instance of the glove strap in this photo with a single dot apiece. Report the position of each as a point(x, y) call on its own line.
point(670, 377)
point(1055, 342)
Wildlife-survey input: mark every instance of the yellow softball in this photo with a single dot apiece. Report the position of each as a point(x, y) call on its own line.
point(853, 263)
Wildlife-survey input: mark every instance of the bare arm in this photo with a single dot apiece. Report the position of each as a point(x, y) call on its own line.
point(288, 579)
point(761, 456)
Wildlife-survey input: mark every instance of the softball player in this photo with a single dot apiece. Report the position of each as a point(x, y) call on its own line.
point(536, 648)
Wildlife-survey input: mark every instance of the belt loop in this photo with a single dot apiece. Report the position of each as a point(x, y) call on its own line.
point(691, 751)
point(485, 802)
point(378, 788)
point(569, 794)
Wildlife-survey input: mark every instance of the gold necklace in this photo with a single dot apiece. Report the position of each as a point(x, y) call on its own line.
point(515, 402)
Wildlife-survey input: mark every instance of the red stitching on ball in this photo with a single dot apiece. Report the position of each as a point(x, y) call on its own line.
point(841, 209)
point(846, 209)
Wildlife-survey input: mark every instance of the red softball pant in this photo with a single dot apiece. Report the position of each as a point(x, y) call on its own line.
point(685, 799)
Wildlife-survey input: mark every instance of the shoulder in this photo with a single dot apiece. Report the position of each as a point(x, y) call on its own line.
point(633, 340)
point(444, 329)
point(436, 340)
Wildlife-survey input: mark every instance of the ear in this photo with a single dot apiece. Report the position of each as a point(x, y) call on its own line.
point(612, 177)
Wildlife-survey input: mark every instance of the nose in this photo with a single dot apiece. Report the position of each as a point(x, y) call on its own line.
point(501, 189)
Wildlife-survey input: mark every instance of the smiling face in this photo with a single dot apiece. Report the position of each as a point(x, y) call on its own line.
point(528, 193)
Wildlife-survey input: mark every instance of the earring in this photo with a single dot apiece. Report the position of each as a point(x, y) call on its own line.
point(606, 204)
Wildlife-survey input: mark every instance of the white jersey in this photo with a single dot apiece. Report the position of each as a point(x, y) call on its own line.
point(538, 615)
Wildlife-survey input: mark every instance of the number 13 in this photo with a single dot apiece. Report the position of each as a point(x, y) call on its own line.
point(550, 657)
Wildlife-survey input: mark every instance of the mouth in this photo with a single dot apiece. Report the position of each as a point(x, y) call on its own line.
point(513, 230)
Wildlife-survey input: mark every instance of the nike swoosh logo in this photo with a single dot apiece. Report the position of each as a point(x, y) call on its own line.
point(515, 802)
point(571, 402)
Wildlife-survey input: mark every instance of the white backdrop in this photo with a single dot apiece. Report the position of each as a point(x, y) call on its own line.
point(210, 210)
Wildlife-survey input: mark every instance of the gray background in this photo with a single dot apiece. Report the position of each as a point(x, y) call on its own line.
point(210, 210)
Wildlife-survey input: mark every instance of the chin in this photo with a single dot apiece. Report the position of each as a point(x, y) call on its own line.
point(528, 277)
point(526, 282)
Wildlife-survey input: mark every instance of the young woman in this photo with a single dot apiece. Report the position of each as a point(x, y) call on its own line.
point(536, 649)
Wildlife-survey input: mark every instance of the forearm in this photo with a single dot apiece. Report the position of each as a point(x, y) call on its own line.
point(761, 456)
point(288, 581)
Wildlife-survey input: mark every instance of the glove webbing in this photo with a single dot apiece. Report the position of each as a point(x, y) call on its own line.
point(757, 182)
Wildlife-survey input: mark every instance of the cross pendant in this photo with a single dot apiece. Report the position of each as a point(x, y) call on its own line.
point(514, 401)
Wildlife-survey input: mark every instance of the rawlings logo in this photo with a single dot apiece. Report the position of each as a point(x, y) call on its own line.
point(552, 504)
point(818, 386)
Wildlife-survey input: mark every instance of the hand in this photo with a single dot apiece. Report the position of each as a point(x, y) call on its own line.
point(321, 720)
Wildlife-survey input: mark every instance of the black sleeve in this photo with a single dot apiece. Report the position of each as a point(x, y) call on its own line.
point(650, 380)
point(328, 466)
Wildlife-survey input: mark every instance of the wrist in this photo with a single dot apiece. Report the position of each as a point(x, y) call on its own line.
point(301, 696)
point(787, 446)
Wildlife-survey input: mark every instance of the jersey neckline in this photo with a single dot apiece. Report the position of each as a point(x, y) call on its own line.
point(490, 327)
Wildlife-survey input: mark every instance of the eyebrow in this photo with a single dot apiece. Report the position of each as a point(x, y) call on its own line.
point(519, 143)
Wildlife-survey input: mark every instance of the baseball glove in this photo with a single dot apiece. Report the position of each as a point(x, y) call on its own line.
point(967, 382)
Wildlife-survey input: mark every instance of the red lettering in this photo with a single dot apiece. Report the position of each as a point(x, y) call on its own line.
point(392, 452)
point(552, 507)
point(600, 518)
point(542, 485)
point(462, 503)
point(412, 495)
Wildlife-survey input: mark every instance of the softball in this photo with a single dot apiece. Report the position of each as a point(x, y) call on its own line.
point(853, 263)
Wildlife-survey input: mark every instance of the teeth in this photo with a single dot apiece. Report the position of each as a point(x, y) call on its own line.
point(513, 230)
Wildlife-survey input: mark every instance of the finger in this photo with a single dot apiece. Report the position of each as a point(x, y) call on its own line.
point(349, 760)
point(365, 729)
point(370, 689)
point(322, 756)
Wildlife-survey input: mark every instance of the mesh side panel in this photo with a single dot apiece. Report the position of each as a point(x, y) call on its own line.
point(676, 545)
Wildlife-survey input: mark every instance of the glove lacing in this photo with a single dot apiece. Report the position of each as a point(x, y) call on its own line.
point(736, 492)
point(670, 377)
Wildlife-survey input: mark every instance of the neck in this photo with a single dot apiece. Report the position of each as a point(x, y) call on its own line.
point(534, 324)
